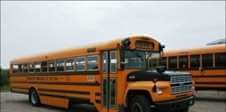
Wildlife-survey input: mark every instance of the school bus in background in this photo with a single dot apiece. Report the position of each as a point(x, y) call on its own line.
point(207, 65)
point(112, 76)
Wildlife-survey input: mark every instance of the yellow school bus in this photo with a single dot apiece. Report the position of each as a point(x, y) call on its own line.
point(113, 77)
point(207, 65)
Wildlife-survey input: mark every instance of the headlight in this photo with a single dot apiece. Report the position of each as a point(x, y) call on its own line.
point(157, 89)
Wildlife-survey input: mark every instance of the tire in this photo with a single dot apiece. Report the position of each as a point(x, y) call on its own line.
point(185, 110)
point(140, 103)
point(34, 98)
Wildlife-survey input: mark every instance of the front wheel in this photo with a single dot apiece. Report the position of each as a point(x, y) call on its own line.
point(185, 110)
point(140, 103)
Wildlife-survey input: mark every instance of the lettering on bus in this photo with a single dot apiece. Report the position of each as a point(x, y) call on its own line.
point(43, 78)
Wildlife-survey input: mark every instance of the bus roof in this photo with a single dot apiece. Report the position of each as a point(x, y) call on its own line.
point(196, 51)
point(78, 51)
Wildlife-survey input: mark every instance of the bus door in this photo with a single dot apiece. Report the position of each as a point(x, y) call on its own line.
point(109, 82)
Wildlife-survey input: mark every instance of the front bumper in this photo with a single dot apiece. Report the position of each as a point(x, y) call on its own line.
point(174, 105)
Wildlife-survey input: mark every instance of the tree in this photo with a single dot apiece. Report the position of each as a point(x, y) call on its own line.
point(3, 76)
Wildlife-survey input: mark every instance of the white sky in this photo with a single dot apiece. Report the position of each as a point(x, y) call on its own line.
point(32, 27)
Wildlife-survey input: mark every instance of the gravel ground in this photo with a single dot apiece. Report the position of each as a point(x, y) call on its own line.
point(207, 101)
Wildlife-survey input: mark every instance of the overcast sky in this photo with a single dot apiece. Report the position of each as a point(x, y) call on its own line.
point(31, 27)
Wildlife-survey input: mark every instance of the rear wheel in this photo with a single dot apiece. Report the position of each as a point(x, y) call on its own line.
point(34, 98)
point(140, 104)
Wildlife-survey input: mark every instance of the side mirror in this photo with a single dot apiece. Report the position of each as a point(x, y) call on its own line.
point(162, 47)
point(161, 69)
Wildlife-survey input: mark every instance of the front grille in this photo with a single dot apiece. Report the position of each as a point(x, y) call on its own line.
point(181, 83)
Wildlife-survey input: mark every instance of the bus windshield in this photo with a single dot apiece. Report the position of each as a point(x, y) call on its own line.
point(139, 59)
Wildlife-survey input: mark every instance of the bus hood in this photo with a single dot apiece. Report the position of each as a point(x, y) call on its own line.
point(153, 75)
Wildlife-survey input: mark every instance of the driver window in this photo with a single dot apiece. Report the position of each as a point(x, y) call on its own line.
point(113, 61)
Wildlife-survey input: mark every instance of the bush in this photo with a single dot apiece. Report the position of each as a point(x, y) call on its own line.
point(4, 77)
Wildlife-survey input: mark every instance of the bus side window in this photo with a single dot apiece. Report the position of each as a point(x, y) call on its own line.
point(172, 62)
point(183, 62)
point(25, 68)
point(44, 66)
point(92, 63)
point(70, 65)
point(37, 67)
point(31, 68)
point(163, 61)
point(207, 60)
point(51, 66)
point(60, 65)
point(195, 61)
point(220, 59)
point(15, 68)
point(80, 63)
point(113, 61)
point(20, 69)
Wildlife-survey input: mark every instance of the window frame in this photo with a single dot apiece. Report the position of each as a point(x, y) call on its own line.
point(61, 61)
point(44, 67)
point(116, 64)
point(184, 59)
point(35, 69)
point(169, 63)
point(15, 70)
point(85, 63)
point(204, 61)
point(25, 68)
point(73, 65)
point(48, 66)
point(97, 62)
point(199, 63)
point(219, 66)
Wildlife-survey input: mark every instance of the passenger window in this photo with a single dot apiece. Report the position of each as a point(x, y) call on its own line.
point(92, 63)
point(60, 65)
point(113, 61)
point(15, 68)
point(172, 62)
point(105, 62)
point(163, 61)
point(70, 65)
point(25, 68)
point(20, 68)
point(44, 66)
point(220, 60)
point(80, 64)
point(31, 68)
point(51, 66)
point(183, 62)
point(207, 60)
point(195, 61)
point(37, 67)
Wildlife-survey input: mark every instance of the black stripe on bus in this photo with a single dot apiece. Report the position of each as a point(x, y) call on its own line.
point(21, 92)
point(209, 83)
point(19, 88)
point(64, 91)
point(98, 94)
point(62, 83)
point(209, 76)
